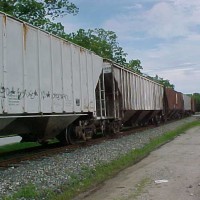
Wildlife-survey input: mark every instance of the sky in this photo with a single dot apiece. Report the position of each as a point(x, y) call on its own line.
point(163, 34)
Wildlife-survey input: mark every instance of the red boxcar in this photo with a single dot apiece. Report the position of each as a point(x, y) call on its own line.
point(174, 104)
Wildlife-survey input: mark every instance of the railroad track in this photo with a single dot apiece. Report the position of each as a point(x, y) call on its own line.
point(14, 159)
point(34, 153)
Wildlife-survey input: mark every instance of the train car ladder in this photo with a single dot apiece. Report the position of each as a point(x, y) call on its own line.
point(102, 96)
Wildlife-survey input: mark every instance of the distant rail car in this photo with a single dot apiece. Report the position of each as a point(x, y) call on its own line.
point(50, 87)
point(136, 100)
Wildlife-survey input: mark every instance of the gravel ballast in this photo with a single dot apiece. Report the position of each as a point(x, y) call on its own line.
point(53, 172)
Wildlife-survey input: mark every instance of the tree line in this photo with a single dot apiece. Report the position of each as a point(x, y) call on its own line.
point(196, 97)
point(43, 14)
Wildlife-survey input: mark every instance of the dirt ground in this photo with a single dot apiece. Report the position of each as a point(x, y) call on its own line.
point(176, 165)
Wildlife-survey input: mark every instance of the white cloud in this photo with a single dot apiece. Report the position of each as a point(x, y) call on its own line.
point(134, 6)
point(174, 26)
point(163, 20)
point(173, 18)
point(182, 80)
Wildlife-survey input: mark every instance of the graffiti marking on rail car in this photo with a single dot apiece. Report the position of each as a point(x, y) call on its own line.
point(60, 96)
point(15, 95)
point(19, 94)
point(2, 103)
point(45, 94)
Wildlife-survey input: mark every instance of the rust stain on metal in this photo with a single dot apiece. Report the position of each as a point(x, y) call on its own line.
point(174, 99)
point(66, 43)
point(82, 50)
point(4, 19)
point(25, 30)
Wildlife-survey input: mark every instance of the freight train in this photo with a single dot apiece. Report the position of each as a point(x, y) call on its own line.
point(50, 87)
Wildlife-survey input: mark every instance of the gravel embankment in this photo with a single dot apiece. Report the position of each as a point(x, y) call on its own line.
point(52, 172)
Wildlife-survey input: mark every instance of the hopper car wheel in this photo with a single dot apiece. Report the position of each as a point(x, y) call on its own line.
point(94, 132)
point(114, 127)
point(67, 136)
point(70, 134)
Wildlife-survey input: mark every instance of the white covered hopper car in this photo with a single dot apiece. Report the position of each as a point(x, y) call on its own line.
point(136, 99)
point(45, 82)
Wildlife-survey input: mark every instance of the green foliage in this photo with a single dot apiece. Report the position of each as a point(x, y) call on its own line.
point(27, 192)
point(103, 43)
point(40, 12)
point(162, 81)
point(196, 97)
point(135, 65)
point(30, 192)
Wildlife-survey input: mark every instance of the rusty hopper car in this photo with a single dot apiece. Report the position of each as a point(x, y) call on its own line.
point(174, 104)
point(128, 96)
point(46, 83)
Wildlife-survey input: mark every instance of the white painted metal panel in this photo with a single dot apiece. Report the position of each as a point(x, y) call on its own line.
point(76, 78)
point(129, 91)
point(91, 84)
point(46, 89)
point(132, 92)
point(136, 93)
point(125, 90)
point(1, 64)
point(151, 94)
point(31, 71)
point(67, 77)
point(187, 102)
point(57, 75)
point(139, 93)
point(148, 95)
point(41, 73)
point(145, 93)
point(14, 66)
point(158, 98)
point(84, 80)
point(145, 103)
point(134, 101)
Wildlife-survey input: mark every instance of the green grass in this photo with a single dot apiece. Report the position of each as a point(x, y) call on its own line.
point(27, 192)
point(92, 177)
point(30, 192)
